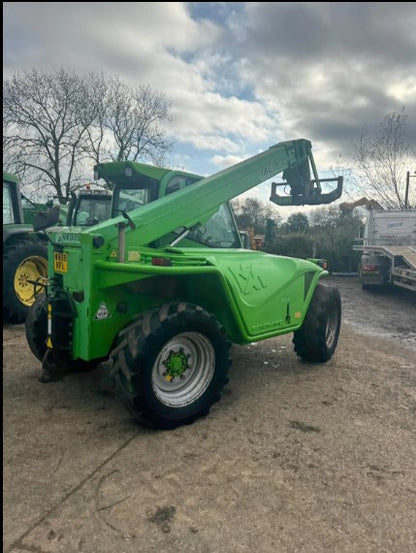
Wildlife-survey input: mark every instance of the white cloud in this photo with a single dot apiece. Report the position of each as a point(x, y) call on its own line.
point(240, 76)
point(222, 162)
point(405, 90)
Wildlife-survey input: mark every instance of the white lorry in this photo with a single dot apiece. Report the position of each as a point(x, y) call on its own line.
point(389, 249)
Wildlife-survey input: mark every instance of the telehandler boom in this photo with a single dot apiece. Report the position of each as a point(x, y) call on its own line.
point(165, 288)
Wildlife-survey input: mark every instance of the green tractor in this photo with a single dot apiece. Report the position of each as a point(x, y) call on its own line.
point(25, 255)
point(25, 251)
point(163, 287)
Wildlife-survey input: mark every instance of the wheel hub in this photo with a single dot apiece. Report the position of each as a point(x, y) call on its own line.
point(29, 271)
point(176, 364)
point(183, 369)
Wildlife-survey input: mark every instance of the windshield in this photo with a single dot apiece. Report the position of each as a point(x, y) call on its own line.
point(127, 199)
point(7, 204)
point(91, 211)
point(219, 231)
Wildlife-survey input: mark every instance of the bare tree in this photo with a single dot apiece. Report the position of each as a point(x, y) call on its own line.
point(381, 159)
point(56, 125)
point(128, 124)
point(45, 117)
point(253, 214)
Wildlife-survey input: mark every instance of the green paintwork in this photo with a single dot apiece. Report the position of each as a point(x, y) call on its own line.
point(176, 364)
point(254, 295)
point(10, 177)
point(31, 210)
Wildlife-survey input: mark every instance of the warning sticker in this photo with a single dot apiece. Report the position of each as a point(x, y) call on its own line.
point(133, 255)
point(103, 312)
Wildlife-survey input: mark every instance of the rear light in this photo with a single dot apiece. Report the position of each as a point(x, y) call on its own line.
point(370, 267)
point(49, 335)
point(161, 262)
point(321, 263)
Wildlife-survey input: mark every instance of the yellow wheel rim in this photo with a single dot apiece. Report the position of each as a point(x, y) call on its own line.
point(30, 270)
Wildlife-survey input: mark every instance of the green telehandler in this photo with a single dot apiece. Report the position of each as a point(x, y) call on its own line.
point(163, 287)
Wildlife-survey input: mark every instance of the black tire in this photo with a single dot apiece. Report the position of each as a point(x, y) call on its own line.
point(27, 259)
point(170, 365)
point(364, 285)
point(36, 327)
point(317, 338)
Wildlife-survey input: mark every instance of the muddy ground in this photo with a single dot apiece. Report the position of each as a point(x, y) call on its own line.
point(296, 457)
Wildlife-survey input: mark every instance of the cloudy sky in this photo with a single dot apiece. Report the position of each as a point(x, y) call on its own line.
point(241, 76)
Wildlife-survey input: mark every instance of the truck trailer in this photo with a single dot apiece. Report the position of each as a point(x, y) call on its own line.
point(388, 249)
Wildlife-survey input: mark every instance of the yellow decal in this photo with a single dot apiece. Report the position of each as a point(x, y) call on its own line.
point(133, 256)
point(60, 262)
point(113, 253)
point(298, 315)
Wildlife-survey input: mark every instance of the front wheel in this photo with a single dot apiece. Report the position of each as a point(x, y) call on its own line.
point(170, 365)
point(36, 327)
point(317, 338)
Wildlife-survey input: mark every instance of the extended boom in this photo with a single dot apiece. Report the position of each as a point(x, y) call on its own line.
point(195, 203)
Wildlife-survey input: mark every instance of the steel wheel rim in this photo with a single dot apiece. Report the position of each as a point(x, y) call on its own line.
point(31, 269)
point(183, 369)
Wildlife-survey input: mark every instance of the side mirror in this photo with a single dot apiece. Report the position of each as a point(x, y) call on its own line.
point(46, 219)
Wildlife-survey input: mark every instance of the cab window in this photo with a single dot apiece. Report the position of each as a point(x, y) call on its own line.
point(219, 231)
point(92, 211)
point(7, 204)
point(127, 199)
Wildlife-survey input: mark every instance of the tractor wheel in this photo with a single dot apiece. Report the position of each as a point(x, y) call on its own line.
point(170, 365)
point(36, 327)
point(23, 263)
point(317, 338)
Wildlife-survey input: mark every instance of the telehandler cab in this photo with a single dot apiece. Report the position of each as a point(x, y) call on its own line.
point(163, 287)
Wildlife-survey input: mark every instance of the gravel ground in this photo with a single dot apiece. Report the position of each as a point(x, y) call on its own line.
point(296, 457)
point(385, 312)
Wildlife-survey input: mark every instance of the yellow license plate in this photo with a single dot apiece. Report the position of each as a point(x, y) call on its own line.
point(60, 262)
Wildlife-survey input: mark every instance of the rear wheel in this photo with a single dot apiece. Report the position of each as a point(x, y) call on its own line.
point(24, 264)
point(317, 338)
point(170, 365)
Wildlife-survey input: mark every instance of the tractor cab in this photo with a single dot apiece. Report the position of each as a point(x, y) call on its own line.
point(12, 208)
point(89, 207)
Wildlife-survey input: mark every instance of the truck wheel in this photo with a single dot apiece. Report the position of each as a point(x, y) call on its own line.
point(364, 285)
point(170, 365)
point(22, 262)
point(317, 338)
point(36, 327)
